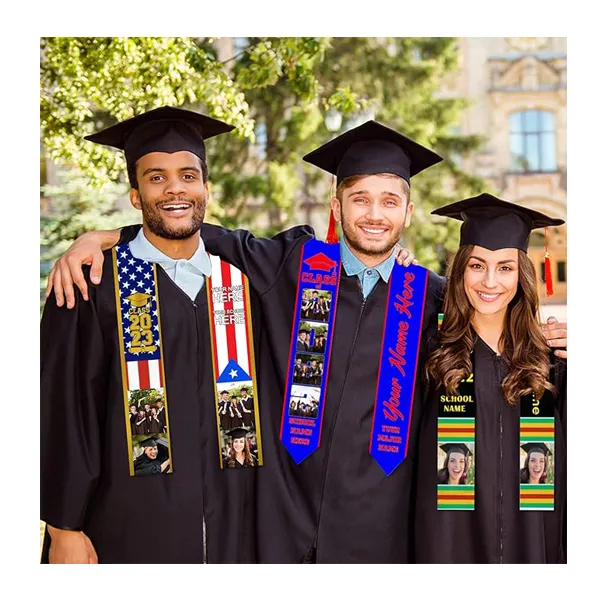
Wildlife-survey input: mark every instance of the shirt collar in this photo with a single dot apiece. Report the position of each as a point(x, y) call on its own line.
point(142, 249)
point(354, 266)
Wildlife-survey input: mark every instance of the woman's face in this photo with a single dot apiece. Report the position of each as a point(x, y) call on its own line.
point(456, 465)
point(491, 279)
point(537, 463)
point(238, 445)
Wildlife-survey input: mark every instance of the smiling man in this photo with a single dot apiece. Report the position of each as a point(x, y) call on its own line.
point(337, 504)
point(92, 491)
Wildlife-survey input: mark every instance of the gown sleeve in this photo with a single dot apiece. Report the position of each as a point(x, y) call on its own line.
point(261, 259)
point(74, 371)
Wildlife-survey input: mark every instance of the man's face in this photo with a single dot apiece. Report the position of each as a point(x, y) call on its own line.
point(159, 404)
point(151, 452)
point(147, 407)
point(373, 212)
point(171, 195)
point(302, 336)
point(133, 409)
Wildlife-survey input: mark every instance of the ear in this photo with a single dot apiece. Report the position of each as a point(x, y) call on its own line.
point(336, 207)
point(409, 210)
point(134, 198)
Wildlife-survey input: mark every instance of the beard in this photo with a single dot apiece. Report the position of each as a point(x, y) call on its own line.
point(156, 224)
point(370, 248)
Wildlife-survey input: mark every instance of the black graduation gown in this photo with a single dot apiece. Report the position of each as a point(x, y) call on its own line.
point(146, 466)
point(496, 531)
point(338, 498)
point(141, 426)
point(85, 481)
point(154, 425)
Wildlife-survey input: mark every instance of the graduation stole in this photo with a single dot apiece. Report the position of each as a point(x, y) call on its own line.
point(142, 369)
point(233, 361)
point(304, 402)
point(456, 445)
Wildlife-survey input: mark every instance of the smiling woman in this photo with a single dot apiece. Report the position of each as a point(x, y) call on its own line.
point(491, 350)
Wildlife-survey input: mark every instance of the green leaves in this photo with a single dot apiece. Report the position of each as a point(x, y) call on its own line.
point(277, 92)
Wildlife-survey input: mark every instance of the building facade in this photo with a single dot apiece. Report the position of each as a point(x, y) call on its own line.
point(518, 93)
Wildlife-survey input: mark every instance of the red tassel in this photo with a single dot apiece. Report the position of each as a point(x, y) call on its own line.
point(332, 237)
point(547, 268)
point(548, 272)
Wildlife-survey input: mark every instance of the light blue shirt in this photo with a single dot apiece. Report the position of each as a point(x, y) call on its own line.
point(368, 276)
point(188, 275)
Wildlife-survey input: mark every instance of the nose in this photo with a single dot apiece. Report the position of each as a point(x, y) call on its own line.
point(375, 213)
point(175, 187)
point(489, 279)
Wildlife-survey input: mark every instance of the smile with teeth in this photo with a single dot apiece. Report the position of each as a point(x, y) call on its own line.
point(488, 297)
point(373, 230)
point(176, 207)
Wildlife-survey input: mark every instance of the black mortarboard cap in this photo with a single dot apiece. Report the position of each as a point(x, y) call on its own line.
point(224, 392)
point(238, 432)
point(149, 443)
point(456, 447)
point(370, 149)
point(493, 223)
point(536, 447)
point(165, 129)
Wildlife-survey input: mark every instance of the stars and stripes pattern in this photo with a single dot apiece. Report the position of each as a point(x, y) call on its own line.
point(231, 338)
point(143, 370)
point(230, 317)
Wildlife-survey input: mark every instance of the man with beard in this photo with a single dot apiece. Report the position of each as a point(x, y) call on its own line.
point(89, 500)
point(351, 512)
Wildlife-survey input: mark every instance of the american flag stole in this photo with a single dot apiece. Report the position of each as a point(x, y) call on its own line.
point(142, 370)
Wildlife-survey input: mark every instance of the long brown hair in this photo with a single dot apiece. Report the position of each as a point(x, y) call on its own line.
point(524, 347)
point(248, 458)
point(525, 474)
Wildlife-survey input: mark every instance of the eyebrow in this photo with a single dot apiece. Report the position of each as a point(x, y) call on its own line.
point(500, 262)
point(159, 170)
point(385, 192)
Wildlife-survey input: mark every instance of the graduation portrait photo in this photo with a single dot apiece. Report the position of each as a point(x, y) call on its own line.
point(536, 460)
point(312, 337)
point(456, 464)
point(151, 455)
point(147, 411)
point(304, 402)
point(308, 369)
point(316, 305)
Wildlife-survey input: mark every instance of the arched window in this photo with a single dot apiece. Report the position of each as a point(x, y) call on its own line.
point(532, 141)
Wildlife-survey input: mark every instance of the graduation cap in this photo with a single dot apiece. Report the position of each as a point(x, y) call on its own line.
point(454, 447)
point(238, 432)
point(371, 149)
point(224, 392)
point(139, 299)
point(165, 129)
point(536, 447)
point(493, 223)
point(149, 443)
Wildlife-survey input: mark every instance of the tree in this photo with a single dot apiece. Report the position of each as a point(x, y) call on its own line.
point(279, 93)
